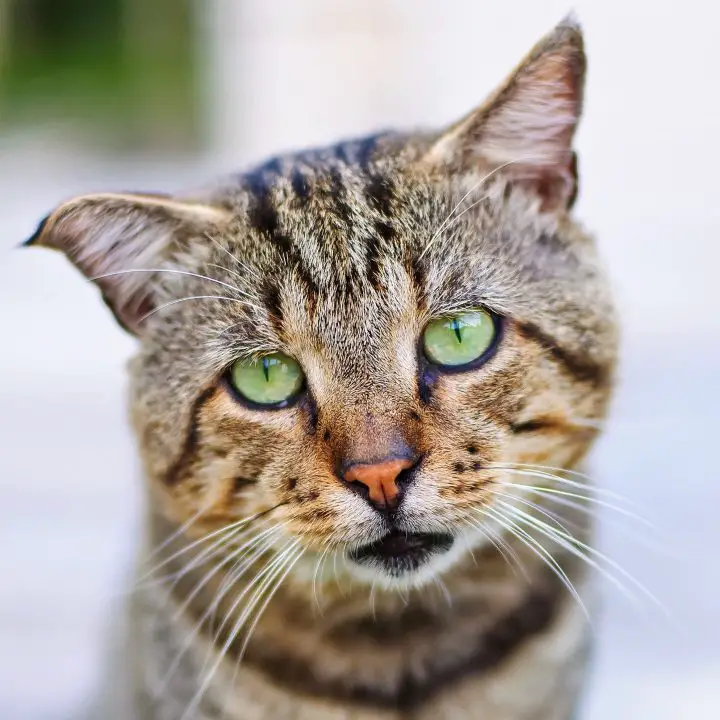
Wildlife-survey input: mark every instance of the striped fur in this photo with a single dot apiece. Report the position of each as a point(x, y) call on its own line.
point(340, 257)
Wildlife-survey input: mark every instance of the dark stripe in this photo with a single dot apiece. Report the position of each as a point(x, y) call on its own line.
point(373, 260)
point(309, 281)
point(379, 193)
point(284, 244)
point(340, 207)
point(38, 232)
point(309, 407)
point(535, 615)
point(274, 166)
point(385, 230)
point(240, 483)
point(263, 217)
point(358, 152)
point(175, 474)
point(262, 214)
point(416, 270)
point(544, 424)
point(532, 426)
point(273, 304)
point(300, 186)
point(582, 368)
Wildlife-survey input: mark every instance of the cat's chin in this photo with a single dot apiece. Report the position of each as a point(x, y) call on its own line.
point(400, 559)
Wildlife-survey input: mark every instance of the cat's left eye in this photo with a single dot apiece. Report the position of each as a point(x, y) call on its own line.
point(460, 339)
point(272, 380)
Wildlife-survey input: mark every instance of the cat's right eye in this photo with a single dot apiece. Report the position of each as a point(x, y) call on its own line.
point(271, 381)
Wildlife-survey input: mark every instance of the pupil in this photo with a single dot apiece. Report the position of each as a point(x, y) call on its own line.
point(456, 327)
point(266, 369)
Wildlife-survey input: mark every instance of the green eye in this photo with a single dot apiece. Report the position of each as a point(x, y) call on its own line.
point(460, 339)
point(271, 380)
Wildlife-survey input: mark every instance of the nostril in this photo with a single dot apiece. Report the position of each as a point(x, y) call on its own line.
point(405, 477)
point(359, 489)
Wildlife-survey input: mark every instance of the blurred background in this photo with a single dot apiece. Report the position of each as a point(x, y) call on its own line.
point(160, 94)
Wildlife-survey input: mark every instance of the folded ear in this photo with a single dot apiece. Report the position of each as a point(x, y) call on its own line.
point(526, 127)
point(115, 239)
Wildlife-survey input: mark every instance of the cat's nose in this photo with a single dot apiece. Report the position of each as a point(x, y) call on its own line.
point(380, 482)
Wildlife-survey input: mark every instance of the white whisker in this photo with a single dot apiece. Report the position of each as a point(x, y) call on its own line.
point(173, 272)
point(234, 575)
point(220, 531)
point(180, 531)
point(585, 498)
point(574, 545)
point(449, 218)
point(236, 260)
point(506, 551)
point(266, 571)
point(537, 471)
point(315, 574)
point(540, 551)
point(199, 297)
point(289, 564)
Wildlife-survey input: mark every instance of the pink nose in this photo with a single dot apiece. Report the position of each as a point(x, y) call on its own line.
point(380, 479)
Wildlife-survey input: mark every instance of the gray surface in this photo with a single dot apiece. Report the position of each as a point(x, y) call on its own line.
point(68, 494)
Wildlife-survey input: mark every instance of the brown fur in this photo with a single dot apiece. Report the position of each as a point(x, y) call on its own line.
point(334, 258)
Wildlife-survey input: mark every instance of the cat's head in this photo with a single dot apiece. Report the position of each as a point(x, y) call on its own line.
point(370, 346)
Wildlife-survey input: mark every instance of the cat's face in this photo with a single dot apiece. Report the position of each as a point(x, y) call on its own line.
point(361, 348)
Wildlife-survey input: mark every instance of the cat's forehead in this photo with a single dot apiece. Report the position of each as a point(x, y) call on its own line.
point(346, 219)
point(332, 221)
point(351, 245)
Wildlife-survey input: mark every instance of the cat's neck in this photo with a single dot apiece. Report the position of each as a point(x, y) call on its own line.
point(349, 642)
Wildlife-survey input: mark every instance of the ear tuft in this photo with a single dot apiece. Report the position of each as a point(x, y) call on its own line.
point(115, 239)
point(527, 126)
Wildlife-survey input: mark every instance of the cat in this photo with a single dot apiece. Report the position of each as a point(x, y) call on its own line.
point(366, 379)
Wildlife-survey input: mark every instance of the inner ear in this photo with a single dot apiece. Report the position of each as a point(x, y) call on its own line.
point(525, 129)
point(116, 240)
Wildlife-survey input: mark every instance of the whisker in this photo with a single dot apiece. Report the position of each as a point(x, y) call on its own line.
point(592, 512)
point(199, 297)
point(173, 272)
point(226, 536)
point(236, 260)
point(268, 567)
point(506, 551)
point(574, 545)
point(220, 531)
point(234, 575)
point(371, 599)
point(444, 590)
point(540, 551)
point(335, 572)
point(180, 531)
point(538, 472)
point(553, 516)
point(267, 571)
point(585, 498)
point(449, 218)
point(315, 574)
point(288, 567)
point(289, 564)
point(235, 555)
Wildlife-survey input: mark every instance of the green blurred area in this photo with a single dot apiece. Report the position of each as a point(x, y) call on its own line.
point(122, 72)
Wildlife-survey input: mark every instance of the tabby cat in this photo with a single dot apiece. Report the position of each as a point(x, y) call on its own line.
point(366, 378)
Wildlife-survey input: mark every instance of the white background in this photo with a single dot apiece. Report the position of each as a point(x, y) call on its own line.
point(280, 75)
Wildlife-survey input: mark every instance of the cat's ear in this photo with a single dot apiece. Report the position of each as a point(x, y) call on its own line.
point(114, 239)
point(526, 127)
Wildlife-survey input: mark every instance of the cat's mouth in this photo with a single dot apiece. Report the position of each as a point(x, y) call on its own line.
point(398, 552)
